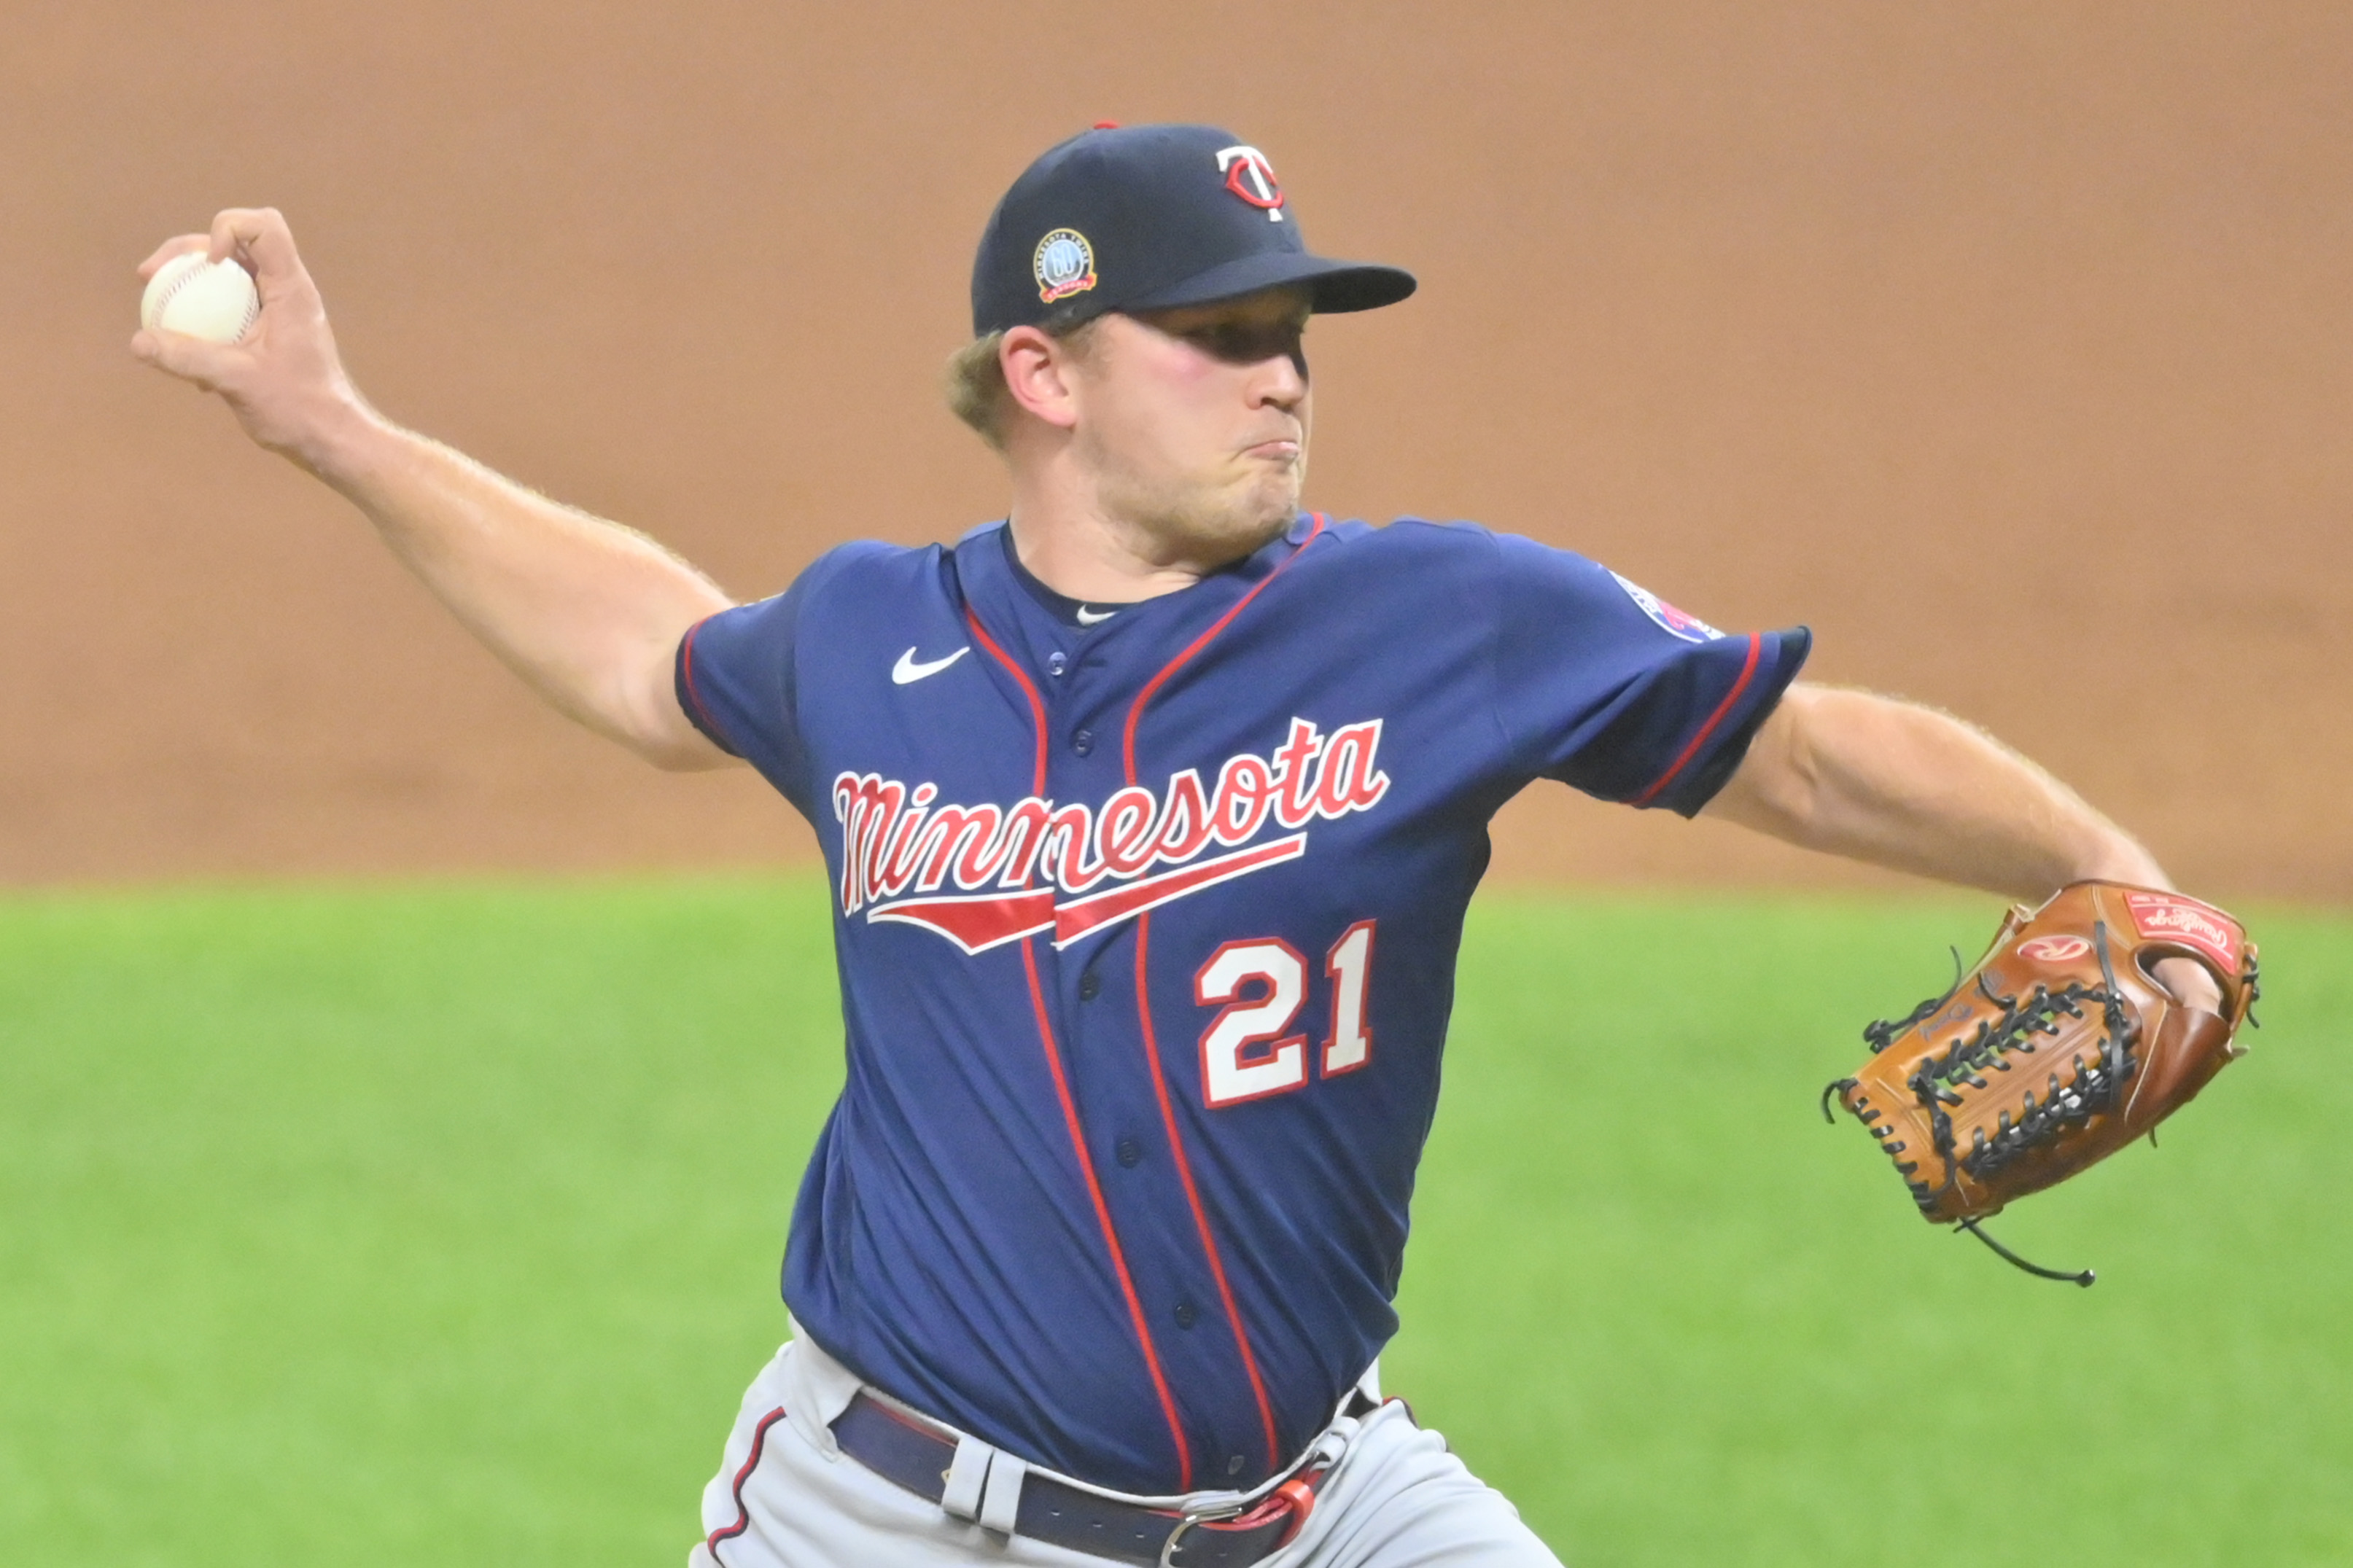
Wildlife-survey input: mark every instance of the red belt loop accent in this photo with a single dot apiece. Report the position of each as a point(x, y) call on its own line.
point(1296, 1496)
point(1302, 1497)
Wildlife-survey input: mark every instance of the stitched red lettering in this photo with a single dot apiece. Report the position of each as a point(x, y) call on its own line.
point(1245, 794)
point(1294, 785)
point(1124, 831)
point(1348, 781)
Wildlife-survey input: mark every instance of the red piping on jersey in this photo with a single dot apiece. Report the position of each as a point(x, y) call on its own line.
point(1192, 1194)
point(1152, 1043)
point(1755, 646)
point(1070, 1107)
point(1029, 689)
point(1102, 1216)
point(1153, 685)
point(751, 1462)
point(686, 668)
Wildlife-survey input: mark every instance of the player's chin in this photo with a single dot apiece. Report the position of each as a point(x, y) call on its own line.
point(1229, 520)
point(1258, 519)
point(1271, 498)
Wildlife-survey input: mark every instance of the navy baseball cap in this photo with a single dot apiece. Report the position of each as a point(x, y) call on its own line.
point(1148, 217)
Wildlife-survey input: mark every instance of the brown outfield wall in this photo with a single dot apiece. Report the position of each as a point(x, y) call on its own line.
point(2007, 345)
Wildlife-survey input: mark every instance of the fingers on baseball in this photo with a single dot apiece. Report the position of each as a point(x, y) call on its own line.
point(178, 245)
point(190, 358)
point(260, 241)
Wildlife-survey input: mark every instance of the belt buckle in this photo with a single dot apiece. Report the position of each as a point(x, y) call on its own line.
point(1186, 1521)
point(1296, 1495)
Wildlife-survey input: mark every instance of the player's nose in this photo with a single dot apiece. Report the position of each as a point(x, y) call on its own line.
point(1279, 380)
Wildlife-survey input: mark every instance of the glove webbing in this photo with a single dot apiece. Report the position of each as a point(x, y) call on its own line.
point(2094, 1089)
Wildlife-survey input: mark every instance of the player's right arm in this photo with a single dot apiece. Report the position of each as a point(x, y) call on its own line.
point(588, 612)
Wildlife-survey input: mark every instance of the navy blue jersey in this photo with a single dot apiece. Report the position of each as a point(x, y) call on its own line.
point(1146, 921)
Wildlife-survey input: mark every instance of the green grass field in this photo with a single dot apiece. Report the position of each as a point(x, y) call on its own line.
point(440, 1226)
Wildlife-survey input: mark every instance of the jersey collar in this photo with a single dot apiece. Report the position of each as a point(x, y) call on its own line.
point(1025, 623)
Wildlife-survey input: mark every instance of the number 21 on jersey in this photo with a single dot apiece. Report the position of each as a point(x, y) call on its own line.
point(1245, 1053)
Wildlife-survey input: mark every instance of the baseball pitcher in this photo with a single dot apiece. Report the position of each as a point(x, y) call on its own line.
point(1151, 812)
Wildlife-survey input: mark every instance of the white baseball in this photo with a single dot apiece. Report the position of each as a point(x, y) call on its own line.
point(214, 300)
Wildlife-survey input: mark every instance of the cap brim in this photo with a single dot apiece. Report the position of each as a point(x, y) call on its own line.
point(1333, 286)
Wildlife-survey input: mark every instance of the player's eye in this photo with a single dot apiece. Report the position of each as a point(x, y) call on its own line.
point(1249, 342)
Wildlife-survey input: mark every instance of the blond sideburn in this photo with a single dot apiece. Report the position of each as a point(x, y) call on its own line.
point(974, 382)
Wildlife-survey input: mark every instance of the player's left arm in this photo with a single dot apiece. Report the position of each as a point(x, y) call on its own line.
point(1894, 783)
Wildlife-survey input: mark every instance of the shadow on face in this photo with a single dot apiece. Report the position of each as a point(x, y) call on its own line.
point(1244, 332)
point(1194, 423)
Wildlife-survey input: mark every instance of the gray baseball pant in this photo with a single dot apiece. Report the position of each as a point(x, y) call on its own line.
point(786, 1496)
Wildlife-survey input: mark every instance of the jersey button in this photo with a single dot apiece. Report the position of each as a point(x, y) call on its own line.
point(1090, 986)
point(1084, 741)
point(1234, 1465)
point(1129, 1152)
point(1186, 1314)
point(1056, 663)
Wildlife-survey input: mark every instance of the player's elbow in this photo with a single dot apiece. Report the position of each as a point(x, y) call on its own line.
point(682, 754)
point(638, 710)
point(659, 733)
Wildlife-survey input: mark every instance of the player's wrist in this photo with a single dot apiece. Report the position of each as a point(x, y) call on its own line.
point(342, 442)
point(2120, 859)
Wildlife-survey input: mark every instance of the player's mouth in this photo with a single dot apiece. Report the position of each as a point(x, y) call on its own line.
point(1284, 449)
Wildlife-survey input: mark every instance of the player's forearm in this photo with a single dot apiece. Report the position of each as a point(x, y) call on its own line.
point(589, 613)
point(1895, 784)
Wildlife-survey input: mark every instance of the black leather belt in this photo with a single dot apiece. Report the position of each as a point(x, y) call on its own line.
point(913, 1454)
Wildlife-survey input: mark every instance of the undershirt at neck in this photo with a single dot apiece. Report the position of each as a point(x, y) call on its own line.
point(1061, 606)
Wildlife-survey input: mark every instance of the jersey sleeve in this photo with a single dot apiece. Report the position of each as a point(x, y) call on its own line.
point(734, 676)
point(1606, 688)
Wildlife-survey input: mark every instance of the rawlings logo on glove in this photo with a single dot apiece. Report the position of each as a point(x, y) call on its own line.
point(2056, 1050)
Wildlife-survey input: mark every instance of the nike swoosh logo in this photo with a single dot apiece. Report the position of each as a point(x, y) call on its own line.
point(907, 670)
point(1094, 618)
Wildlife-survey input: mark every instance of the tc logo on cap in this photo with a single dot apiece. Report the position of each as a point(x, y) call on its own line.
point(1065, 265)
point(1249, 176)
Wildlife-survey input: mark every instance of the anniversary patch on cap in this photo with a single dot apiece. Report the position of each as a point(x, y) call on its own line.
point(1064, 265)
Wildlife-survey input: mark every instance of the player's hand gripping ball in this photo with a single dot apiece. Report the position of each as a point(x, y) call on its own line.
point(214, 300)
point(2055, 1051)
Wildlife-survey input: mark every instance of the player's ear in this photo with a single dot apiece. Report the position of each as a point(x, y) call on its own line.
point(1037, 379)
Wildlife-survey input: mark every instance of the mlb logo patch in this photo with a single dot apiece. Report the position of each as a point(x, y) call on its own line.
point(1689, 627)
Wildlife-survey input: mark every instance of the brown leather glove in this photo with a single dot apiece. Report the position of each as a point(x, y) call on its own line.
point(2054, 1052)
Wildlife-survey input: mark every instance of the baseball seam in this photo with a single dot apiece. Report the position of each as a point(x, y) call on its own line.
point(179, 286)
